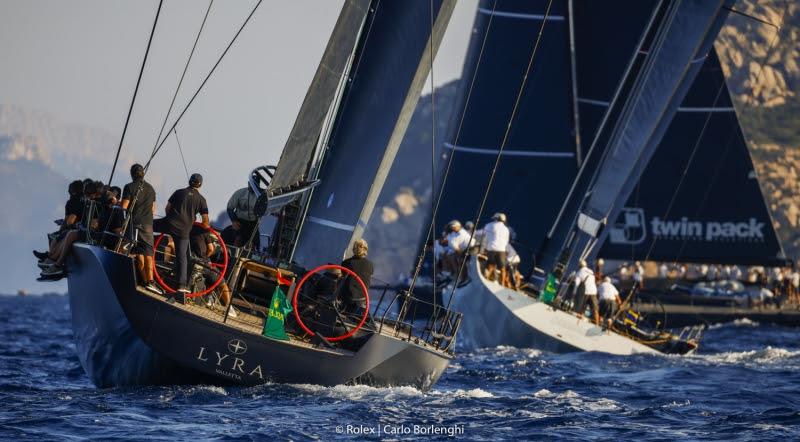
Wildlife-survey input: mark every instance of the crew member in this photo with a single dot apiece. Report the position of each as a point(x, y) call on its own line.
point(182, 209)
point(586, 285)
point(139, 199)
point(457, 246)
point(241, 211)
point(352, 294)
point(609, 300)
point(73, 213)
point(205, 251)
point(496, 237)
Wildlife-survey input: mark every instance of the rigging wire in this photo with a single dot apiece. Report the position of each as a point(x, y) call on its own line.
point(433, 148)
point(502, 147)
point(432, 225)
point(180, 149)
point(180, 83)
point(135, 91)
point(205, 80)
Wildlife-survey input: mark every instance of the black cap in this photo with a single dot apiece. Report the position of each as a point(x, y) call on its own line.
point(137, 171)
point(196, 180)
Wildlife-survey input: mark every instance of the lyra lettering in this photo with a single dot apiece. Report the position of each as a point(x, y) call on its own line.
point(229, 363)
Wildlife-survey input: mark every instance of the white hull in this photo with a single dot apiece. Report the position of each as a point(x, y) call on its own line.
point(495, 315)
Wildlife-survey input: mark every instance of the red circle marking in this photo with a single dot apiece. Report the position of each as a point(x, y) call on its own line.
point(317, 270)
point(223, 266)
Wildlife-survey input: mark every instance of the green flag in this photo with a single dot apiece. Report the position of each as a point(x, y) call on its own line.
point(549, 291)
point(278, 309)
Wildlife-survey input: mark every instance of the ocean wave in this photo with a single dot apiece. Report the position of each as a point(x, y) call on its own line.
point(743, 322)
point(359, 392)
point(768, 355)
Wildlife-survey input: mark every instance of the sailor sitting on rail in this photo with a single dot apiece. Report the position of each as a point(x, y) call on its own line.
point(73, 213)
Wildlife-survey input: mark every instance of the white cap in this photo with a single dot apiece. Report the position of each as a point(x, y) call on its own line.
point(499, 217)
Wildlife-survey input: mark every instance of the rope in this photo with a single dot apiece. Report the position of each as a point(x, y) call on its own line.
point(502, 147)
point(180, 82)
point(431, 226)
point(135, 92)
point(180, 149)
point(433, 150)
point(200, 88)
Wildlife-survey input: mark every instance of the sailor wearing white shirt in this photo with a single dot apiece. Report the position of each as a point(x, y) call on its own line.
point(638, 274)
point(513, 264)
point(457, 245)
point(609, 300)
point(496, 239)
point(586, 288)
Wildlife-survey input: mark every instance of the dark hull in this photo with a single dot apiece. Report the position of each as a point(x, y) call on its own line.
point(681, 315)
point(110, 351)
point(125, 337)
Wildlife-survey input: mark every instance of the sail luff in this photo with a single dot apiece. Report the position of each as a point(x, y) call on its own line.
point(301, 146)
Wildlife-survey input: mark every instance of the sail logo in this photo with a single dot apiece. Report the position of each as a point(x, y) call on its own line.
point(683, 228)
point(631, 230)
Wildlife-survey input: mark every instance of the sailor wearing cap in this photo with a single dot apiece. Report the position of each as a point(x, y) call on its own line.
point(496, 239)
point(457, 245)
point(182, 209)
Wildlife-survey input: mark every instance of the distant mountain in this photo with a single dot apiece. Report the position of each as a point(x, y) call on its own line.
point(72, 150)
point(762, 68)
point(32, 195)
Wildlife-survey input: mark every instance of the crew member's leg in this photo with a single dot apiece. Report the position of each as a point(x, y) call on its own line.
point(182, 262)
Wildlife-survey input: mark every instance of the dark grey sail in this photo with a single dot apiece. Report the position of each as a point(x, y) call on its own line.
point(301, 147)
point(699, 199)
point(685, 34)
point(392, 63)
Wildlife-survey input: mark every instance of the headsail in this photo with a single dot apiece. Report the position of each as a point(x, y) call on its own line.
point(392, 63)
point(719, 214)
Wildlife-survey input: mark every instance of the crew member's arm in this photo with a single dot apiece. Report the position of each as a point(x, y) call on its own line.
point(124, 204)
point(154, 207)
point(69, 221)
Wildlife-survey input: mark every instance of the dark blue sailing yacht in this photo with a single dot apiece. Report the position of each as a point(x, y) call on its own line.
point(353, 118)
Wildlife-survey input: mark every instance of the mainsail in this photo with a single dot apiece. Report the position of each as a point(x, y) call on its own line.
point(540, 152)
point(699, 199)
point(392, 61)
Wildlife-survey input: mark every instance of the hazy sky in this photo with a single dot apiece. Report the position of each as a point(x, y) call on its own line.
point(79, 60)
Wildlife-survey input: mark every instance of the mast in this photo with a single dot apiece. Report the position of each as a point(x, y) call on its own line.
point(686, 32)
point(391, 63)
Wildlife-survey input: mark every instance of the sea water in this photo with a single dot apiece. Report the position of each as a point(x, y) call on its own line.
point(744, 384)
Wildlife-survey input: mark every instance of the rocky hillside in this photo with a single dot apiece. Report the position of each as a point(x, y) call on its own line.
point(762, 66)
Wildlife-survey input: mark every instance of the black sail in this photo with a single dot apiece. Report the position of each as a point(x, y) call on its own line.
point(540, 152)
point(392, 63)
point(299, 151)
point(699, 199)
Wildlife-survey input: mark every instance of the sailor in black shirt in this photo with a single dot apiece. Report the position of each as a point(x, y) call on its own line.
point(139, 198)
point(182, 209)
point(353, 296)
